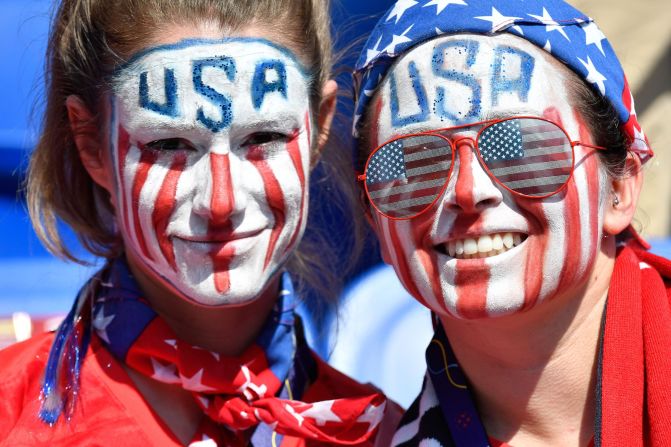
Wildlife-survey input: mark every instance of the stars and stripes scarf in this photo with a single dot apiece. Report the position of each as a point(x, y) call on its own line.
point(247, 399)
point(633, 380)
point(553, 25)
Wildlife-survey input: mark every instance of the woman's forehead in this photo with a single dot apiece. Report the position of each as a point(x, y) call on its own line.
point(464, 78)
point(210, 84)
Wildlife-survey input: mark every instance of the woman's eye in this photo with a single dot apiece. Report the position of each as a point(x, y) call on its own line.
point(261, 138)
point(170, 144)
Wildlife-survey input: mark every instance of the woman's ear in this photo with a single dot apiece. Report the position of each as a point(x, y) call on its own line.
point(326, 112)
point(86, 136)
point(621, 203)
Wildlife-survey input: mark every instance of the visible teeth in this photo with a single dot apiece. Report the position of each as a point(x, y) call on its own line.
point(452, 248)
point(497, 242)
point(485, 246)
point(470, 246)
point(508, 240)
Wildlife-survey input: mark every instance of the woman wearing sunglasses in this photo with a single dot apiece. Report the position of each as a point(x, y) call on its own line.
point(501, 160)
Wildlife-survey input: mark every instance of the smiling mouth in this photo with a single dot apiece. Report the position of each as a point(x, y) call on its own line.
point(485, 246)
point(219, 239)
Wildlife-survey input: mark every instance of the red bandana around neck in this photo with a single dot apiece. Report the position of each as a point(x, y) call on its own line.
point(246, 399)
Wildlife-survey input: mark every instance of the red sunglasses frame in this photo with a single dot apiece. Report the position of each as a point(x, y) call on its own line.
point(486, 124)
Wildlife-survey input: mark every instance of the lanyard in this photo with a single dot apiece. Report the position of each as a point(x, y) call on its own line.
point(452, 391)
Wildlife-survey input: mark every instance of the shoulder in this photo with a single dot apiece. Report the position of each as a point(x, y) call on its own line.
point(108, 408)
point(332, 384)
point(21, 368)
point(33, 352)
point(22, 365)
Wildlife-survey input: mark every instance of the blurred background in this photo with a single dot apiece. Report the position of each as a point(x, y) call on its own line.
point(372, 343)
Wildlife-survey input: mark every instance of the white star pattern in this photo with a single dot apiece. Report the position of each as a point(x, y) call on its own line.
point(195, 383)
point(639, 140)
point(250, 389)
point(442, 4)
point(397, 40)
point(205, 442)
point(400, 8)
point(632, 108)
point(205, 402)
point(100, 323)
point(213, 354)
point(321, 412)
point(517, 29)
point(373, 415)
point(547, 19)
point(593, 35)
point(498, 20)
point(594, 76)
point(292, 412)
point(548, 46)
point(165, 374)
point(372, 53)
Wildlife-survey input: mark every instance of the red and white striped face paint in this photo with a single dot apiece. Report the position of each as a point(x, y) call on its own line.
point(211, 150)
point(481, 251)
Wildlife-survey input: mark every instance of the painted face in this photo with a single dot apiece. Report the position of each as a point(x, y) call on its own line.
point(481, 251)
point(211, 149)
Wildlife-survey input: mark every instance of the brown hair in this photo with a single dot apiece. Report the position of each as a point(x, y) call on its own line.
point(603, 123)
point(88, 39)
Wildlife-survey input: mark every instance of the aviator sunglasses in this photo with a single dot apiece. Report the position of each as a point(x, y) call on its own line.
point(529, 156)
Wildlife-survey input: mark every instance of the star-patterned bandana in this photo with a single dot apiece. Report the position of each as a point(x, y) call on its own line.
point(554, 25)
point(258, 390)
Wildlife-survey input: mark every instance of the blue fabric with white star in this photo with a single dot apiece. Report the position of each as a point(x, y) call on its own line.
point(120, 310)
point(553, 25)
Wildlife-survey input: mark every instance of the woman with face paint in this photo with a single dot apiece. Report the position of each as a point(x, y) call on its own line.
point(178, 142)
point(501, 165)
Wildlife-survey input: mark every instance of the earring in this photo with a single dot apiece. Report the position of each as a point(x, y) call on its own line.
point(616, 201)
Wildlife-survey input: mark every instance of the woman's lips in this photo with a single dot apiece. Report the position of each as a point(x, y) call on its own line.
point(484, 246)
point(222, 244)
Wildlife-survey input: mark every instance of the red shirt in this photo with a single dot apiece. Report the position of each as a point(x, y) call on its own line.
point(111, 411)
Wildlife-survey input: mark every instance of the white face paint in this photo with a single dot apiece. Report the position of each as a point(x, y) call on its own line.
point(459, 79)
point(211, 150)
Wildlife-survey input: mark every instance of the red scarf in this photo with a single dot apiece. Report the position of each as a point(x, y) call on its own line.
point(246, 398)
point(636, 369)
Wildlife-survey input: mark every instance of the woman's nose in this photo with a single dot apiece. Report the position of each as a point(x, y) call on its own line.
point(470, 189)
point(215, 199)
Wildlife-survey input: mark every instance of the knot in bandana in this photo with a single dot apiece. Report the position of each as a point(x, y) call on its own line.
point(553, 25)
point(260, 386)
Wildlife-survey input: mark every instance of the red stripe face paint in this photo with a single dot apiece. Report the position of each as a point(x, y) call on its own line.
point(212, 156)
point(481, 251)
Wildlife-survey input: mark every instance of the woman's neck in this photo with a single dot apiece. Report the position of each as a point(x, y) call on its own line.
point(226, 330)
point(534, 373)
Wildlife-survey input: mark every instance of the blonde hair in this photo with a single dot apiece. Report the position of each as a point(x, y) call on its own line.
point(88, 39)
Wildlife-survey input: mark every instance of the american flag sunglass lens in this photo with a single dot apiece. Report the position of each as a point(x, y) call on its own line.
point(405, 176)
point(530, 156)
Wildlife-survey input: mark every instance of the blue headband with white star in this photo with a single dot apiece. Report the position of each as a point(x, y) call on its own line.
point(553, 25)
